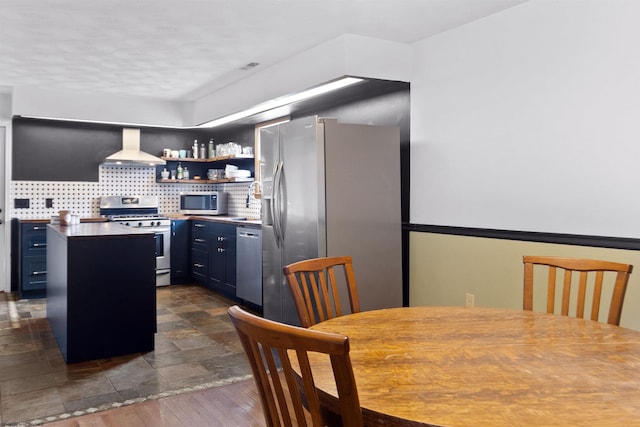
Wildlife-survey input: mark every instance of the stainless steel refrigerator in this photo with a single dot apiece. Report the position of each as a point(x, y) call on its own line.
point(331, 189)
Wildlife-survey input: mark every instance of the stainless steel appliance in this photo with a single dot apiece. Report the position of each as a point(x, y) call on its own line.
point(249, 264)
point(142, 211)
point(331, 189)
point(211, 203)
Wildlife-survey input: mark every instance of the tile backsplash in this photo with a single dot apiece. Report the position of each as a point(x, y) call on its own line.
point(83, 198)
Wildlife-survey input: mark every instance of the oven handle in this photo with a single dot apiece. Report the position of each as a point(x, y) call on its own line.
point(156, 229)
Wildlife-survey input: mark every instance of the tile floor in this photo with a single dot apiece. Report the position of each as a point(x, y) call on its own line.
point(196, 347)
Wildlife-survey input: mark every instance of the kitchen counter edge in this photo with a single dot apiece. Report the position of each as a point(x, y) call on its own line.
point(249, 222)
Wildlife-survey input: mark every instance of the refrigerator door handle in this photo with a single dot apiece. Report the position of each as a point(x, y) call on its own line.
point(275, 205)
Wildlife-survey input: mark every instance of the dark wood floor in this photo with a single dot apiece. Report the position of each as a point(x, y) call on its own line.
point(235, 405)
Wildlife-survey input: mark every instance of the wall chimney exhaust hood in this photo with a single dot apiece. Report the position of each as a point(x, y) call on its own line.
point(131, 155)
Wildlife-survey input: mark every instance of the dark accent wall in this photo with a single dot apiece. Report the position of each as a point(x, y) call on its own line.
point(53, 150)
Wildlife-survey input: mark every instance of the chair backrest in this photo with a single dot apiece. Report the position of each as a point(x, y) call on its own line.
point(591, 275)
point(315, 289)
point(267, 344)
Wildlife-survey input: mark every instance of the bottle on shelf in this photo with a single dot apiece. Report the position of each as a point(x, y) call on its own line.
point(203, 152)
point(195, 148)
point(212, 152)
point(180, 171)
point(185, 173)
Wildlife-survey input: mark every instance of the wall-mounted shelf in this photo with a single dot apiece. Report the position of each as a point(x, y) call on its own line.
point(204, 181)
point(198, 167)
point(209, 160)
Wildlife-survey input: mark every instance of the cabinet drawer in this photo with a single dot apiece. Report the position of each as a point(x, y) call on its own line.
point(200, 235)
point(199, 268)
point(34, 243)
point(34, 273)
point(34, 227)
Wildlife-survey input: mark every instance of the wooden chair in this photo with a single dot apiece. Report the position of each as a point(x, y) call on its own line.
point(584, 267)
point(267, 343)
point(315, 289)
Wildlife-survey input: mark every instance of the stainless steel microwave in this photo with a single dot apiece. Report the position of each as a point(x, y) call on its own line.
point(212, 203)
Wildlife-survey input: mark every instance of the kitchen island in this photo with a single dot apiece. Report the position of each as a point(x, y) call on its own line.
point(101, 295)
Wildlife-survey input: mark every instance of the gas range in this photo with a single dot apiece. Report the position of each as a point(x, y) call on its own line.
point(133, 211)
point(142, 211)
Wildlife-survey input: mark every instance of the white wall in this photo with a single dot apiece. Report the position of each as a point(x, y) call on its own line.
point(529, 120)
point(5, 106)
point(39, 102)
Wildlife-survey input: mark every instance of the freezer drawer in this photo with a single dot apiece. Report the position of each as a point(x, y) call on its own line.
point(249, 264)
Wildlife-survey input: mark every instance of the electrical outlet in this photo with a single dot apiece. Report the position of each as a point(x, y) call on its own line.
point(21, 203)
point(469, 300)
point(48, 203)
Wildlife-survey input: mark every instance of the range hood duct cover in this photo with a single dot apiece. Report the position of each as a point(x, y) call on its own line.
point(131, 155)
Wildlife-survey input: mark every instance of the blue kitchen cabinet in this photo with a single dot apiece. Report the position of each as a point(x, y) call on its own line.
point(180, 251)
point(33, 260)
point(200, 237)
point(222, 259)
point(213, 256)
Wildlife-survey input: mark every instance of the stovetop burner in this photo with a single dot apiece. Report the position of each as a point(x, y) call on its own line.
point(134, 217)
point(134, 211)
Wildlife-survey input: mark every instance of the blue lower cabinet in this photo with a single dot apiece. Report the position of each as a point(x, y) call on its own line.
point(32, 260)
point(180, 251)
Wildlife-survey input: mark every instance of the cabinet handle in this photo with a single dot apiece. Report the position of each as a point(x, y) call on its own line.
point(198, 265)
point(199, 240)
point(38, 228)
point(221, 249)
point(39, 245)
point(39, 273)
point(198, 225)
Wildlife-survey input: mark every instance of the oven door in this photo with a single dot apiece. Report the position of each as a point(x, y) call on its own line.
point(162, 237)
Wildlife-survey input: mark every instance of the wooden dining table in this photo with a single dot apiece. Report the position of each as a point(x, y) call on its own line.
point(459, 366)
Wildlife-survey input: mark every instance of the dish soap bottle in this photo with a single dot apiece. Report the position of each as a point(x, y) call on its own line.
point(185, 173)
point(180, 175)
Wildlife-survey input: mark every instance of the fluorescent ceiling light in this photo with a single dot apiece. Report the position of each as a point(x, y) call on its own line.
point(279, 102)
point(260, 108)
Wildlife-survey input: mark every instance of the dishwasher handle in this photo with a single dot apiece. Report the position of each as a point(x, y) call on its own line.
point(249, 234)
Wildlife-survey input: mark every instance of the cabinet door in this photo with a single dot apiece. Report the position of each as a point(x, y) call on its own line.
point(222, 260)
point(180, 251)
point(230, 247)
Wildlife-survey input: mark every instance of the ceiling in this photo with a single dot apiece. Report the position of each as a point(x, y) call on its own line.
point(182, 50)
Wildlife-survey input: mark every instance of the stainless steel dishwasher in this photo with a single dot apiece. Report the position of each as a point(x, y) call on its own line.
point(249, 264)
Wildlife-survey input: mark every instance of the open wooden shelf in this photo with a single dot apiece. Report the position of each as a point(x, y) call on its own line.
point(205, 181)
point(209, 160)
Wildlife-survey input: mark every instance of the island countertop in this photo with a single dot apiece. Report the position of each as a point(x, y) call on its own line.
point(96, 229)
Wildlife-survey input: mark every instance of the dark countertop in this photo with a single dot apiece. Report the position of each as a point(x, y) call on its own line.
point(235, 220)
point(97, 219)
point(228, 219)
point(97, 229)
